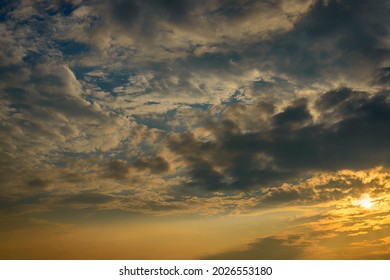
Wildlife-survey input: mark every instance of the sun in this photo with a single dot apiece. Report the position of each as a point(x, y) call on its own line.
point(366, 202)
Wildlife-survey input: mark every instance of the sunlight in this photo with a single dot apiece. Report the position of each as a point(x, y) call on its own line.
point(366, 202)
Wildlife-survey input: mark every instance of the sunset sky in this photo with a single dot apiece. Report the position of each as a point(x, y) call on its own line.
point(195, 129)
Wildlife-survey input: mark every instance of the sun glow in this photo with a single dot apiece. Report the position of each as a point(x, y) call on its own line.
point(366, 202)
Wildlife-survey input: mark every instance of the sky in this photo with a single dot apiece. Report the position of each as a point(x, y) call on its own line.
point(178, 129)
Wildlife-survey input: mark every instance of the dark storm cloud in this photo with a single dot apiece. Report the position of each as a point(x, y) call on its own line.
point(293, 144)
point(269, 248)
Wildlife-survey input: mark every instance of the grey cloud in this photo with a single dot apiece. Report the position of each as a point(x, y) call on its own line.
point(144, 19)
point(334, 42)
point(149, 31)
point(48, 104)
point(117, 169)
point(357, 139)
point(296, 114)
point(383, 76)
point(12, 72)
point(87, 198)
point(306, 219)
point(45, 123)
point(156, 165)
point(280, 195)
point(233, 9)
point(155, 207)
point(323, 46)
point(269, 248)
point(121, 169)
point(38, 184)
point(126, 12)
point(215, 61)
point(175, 10)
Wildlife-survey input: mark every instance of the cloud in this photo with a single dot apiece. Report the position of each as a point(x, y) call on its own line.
point(383, 76)
point(155, 165)
point(120, 169)
point(268, 248)
point(149, 31)
point(49, 105)
point(317, 47)
point(350, 134)
point(38, 184)
point(287, 53)
point(86, 198)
